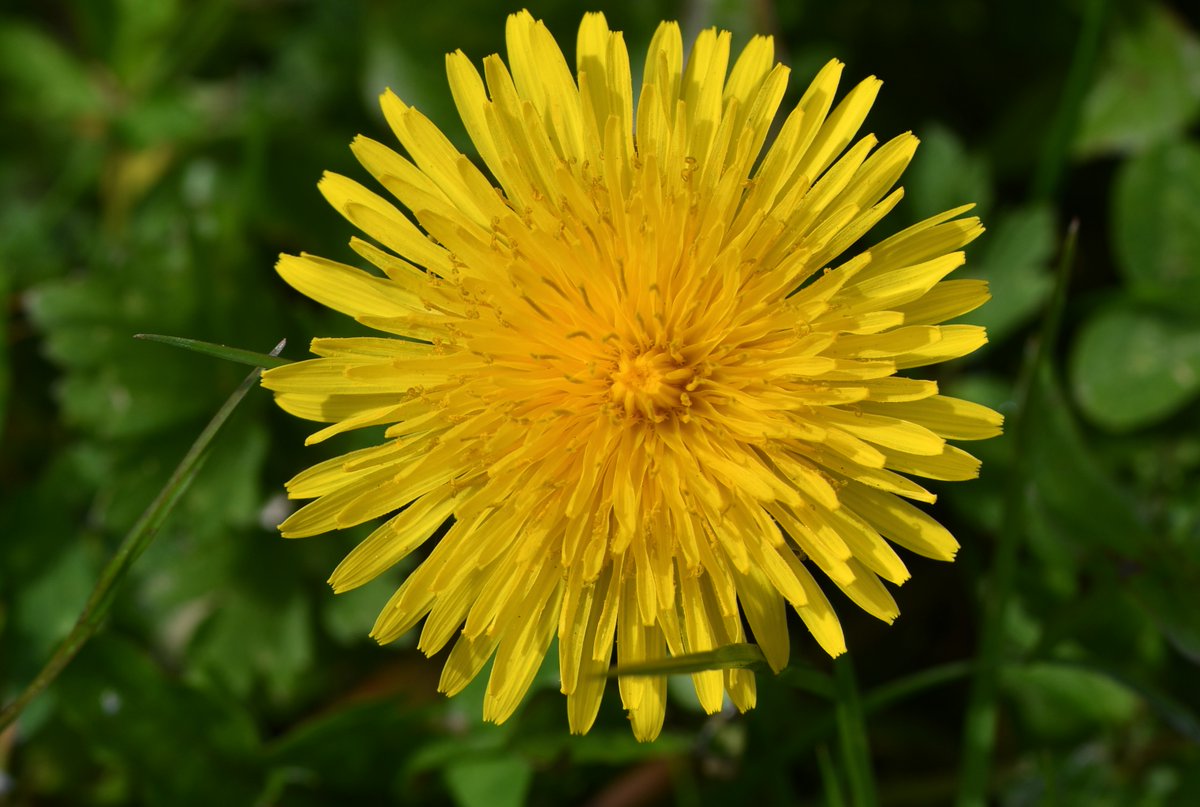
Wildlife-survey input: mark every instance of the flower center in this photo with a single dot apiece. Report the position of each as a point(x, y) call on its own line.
point(649, 384)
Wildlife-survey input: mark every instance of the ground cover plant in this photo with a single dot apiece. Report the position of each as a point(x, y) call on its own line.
point(158, 156)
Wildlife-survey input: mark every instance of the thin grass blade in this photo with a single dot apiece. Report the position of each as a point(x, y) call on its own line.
point(234, 354)
point(136, 541)
point(730, 657)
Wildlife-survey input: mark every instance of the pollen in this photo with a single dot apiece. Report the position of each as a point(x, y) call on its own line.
point(649, 384)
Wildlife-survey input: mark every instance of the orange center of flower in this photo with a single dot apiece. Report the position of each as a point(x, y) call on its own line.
point(650, 384)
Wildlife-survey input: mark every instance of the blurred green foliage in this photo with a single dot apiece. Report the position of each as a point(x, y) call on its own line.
point(155, 156)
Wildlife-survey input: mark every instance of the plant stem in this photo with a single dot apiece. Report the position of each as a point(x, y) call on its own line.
point(136, 541)
point(1066, 118)
point(852, 734)
point(830, 783)
point(903, 688)
point(979, 729)
point(236, 354)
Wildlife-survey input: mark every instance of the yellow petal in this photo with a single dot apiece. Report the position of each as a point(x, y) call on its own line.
point(765, 611)
point(344, 288)
point(869, 593)
point(382, 221)
point(391, 542)
point(952, 418)
point(900, 522)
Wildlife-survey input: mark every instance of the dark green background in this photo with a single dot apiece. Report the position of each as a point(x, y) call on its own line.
point(155, 157)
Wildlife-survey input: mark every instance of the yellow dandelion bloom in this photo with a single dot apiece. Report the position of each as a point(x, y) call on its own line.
point(637, 376)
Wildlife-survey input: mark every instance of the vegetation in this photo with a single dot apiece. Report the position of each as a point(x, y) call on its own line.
point(155, 157)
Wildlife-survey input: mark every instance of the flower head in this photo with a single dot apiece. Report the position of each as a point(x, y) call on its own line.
point(638, 379)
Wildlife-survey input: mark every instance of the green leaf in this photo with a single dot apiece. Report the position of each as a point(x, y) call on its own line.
point(619, 747)
point(1156, 225)
point(254, 637)
point(1131, 367)
point(1163, 589)
point(944, 175)
point(1014, 259)
point(729, 657)
point(917, 683)
point(1079, 503)
point(344, 750)
point(41, 79)
point(220, 351)
point(348, 617)
point(500, 781)
point(135, 543)
point(981, 503)
point(175, 743)
point(142, 38)
point(4, 374)
point(1177, 714)
point(50, 604)
point(808, 679)
point(1148, 91)
point(1060, 702)
point(230, 483)
point(480, 740)
point(169, 119)
point(112, 386)
point(132, 399)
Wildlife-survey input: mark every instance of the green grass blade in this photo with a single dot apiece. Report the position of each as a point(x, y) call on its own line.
point(820, 726)
point(809, 680)
point(979, 728)
point(1053, 158)
point(852, 734)
point(730, 657)
point(136, 541)
point(904, 688)
point(234, 354)
point(831, 784)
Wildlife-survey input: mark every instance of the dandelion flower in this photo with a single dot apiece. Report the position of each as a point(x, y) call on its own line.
point(635, 385)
